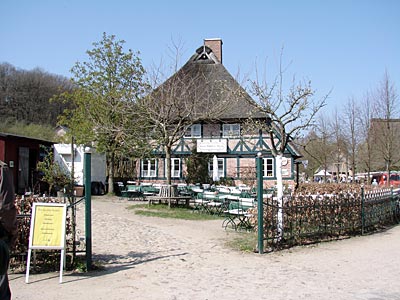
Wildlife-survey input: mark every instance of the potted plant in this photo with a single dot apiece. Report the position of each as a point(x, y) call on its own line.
point(54, 175)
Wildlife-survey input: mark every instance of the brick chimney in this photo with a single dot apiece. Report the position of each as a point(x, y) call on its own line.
point(216, 46)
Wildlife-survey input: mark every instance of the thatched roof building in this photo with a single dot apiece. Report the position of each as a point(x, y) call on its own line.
point(205, 86)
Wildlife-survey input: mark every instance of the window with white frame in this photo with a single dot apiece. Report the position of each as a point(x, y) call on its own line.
point(230, 130)
point(268, 167)
point(194, 131)
point(175, 167)
point(221, 167)
point(149, 168)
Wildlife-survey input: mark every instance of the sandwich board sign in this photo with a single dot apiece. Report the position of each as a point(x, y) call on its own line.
point(47, 231)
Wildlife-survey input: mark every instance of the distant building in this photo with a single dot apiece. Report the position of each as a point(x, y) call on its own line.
point(66, 157)
point(385, 142)
point(73, 158)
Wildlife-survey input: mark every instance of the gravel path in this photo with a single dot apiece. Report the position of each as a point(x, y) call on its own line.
point(154, 258)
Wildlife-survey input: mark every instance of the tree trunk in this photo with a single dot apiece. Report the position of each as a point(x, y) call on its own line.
point(279, 195)
point(168, 163)
point(388, 174)
point(111, 174)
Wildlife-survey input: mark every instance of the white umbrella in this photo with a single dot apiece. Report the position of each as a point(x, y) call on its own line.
point(215, 175)
point(323, 173)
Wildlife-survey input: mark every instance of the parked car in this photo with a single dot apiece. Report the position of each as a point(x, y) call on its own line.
point(381, 178)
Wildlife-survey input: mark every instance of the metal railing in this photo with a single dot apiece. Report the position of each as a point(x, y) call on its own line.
point(309, 219)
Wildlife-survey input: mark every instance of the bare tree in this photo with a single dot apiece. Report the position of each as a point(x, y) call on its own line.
point(383, 126)
point(350, 131)
point(340, 152)
point(290, 114)
point(364, 117)
point(318, 146)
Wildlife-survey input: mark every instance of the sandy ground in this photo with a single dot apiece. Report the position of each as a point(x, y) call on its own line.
point(153, 258)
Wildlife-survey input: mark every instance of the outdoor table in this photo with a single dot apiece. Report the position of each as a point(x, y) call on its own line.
point(212, 204)
point(217, 204)
point(214, 207)
point(238, 219)
point(200, 204)
point(134, 195)
point(236, 215)
point(132, 192)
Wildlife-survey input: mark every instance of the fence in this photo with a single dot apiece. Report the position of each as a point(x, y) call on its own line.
point(314, 218)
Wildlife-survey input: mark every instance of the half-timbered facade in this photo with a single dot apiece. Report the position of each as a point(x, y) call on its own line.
point(228, 140)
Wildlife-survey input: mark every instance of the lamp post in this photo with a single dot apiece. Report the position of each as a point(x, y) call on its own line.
point(260, 215)
point(88, 207)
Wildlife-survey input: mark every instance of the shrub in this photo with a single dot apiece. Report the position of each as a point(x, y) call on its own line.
point(320, 212)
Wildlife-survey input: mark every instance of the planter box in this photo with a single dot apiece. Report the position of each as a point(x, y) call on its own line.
point(78, 191)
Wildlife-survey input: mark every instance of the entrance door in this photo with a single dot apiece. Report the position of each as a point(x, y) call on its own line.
point(23, 170)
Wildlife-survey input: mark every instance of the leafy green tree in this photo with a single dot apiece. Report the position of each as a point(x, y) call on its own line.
point(108, 86)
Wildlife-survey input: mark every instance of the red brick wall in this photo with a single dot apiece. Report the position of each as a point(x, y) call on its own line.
point(231, 167)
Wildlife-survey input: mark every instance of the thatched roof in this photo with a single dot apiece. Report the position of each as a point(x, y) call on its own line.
point(203, 90)
point(206, 80)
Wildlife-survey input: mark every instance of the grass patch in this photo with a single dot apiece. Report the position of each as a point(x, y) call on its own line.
point(245, 242)
point(163, 211)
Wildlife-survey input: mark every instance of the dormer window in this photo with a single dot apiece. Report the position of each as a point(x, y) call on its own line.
point(193, 131)
point(230, 130)
point(205, 55)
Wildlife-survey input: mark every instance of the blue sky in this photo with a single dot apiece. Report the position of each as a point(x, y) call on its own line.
point(341, 45)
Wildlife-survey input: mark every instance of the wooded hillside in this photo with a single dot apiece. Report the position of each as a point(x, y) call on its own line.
point(25, 96)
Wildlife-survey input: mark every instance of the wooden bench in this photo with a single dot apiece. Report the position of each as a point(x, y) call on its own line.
point(170, 200)
point(169, 194)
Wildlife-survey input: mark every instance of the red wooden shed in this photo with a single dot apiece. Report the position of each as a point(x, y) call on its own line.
point(22, 154)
